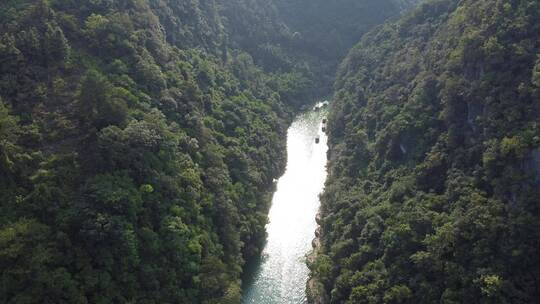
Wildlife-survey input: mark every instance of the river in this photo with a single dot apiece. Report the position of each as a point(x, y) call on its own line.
point(281, 274)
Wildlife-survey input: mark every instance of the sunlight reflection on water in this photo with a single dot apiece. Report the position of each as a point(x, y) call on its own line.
point(282, 274)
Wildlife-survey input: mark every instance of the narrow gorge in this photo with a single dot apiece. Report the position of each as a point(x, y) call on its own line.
point(173, 151)
point(282, 273)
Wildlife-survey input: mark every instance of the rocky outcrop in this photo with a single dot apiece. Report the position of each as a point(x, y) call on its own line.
point(315, 289)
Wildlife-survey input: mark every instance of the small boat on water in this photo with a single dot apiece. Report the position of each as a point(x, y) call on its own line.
point(317, 139)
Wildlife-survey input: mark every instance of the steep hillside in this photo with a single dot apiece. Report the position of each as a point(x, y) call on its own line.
point(434, 176)
point(138, 145)
point(326, 30)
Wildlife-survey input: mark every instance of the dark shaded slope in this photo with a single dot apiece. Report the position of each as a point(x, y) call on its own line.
point(326, 30)
point(433, 183)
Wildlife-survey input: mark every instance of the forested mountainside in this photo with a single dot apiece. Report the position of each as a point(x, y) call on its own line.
point(139, 141)
point(138, 145)
point(325, 30)
point(434, 174)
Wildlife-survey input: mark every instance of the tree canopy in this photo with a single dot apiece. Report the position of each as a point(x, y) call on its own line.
point(432, 195)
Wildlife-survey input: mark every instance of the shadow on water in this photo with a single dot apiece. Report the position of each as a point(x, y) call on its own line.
point(252, 269)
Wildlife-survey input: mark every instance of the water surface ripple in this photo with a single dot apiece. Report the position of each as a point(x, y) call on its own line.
point(281, 275)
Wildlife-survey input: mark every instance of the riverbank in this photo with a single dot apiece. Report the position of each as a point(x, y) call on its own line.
point(314, 288)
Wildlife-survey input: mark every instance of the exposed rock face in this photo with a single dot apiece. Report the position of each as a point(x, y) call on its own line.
point(318, 218)
point(314, 286)
point(312, 292)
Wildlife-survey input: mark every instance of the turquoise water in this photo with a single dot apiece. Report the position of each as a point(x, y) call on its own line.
point(281, 274)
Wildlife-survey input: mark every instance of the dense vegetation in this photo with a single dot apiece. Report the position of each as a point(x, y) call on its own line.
point(138, 145)
point(434, 175)
point(325, 30)
point(139, 141)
